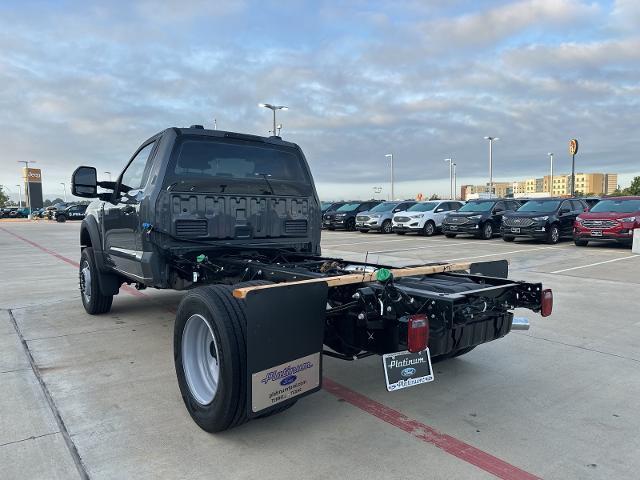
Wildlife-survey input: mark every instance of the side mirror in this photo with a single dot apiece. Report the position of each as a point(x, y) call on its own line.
point(439, 210)
point(84, 182)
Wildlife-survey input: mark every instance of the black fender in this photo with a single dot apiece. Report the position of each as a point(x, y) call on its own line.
point(90, 237)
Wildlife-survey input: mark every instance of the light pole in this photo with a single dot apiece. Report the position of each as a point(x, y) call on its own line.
point(273, 108)
point(491, 140)
point(451, 164)
point(19, 196)
point(550, 154)
point(455, 183)
point(108, 173)
point(279, 127)
point(26, 183)
point(390, 155)
point(64, 189)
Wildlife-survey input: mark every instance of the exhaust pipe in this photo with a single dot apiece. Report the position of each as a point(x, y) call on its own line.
point(520, 323)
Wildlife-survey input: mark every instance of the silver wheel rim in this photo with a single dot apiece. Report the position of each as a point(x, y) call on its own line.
point(429, 229)
point(85, 281)
point(387, 227)
point(200, 359)
point(488, 231)
point(554, 235)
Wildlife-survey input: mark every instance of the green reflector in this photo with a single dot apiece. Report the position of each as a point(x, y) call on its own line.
point(201, 258)
point(383, 275)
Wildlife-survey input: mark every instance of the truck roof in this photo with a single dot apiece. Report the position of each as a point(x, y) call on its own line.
point(201, 131)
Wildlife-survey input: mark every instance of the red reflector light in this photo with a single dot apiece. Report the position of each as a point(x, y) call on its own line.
point(546, 302)
point(418, 333)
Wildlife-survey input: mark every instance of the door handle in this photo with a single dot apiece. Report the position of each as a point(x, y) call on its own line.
point(128, 210)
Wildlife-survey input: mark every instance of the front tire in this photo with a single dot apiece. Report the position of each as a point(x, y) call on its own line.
point(364, 231)
point(450, 235)
point(386, 226)
point(487, 231)
point(93, 300)
point(581, 243)
point(508, 238)
point(400, 233)
point(61, 218)
point(210, 355)
point(350, 226)
point(553, 235)
point(429, 229)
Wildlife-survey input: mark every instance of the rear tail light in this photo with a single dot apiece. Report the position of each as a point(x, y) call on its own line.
point(546, 302)
point(418, 333)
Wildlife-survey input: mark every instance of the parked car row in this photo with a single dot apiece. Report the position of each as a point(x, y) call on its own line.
point(545, 219)
point(60, 212)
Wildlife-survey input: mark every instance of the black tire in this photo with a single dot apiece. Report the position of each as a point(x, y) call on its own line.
point(61, 218)
point(350, 226)
point(487, 231)
point(580, 243)
point(429, 228)
point(93, 300)
point(450, 235)
point(330, 228)
point(400, 233)
point(508, 238)
point(386, 227)
point(364, 231)
point(553, 235)
point(226, 318)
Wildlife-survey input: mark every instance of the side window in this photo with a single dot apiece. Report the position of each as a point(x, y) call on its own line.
point(566, 204)
point(136, 174)
point(577, 205)
point(454, 206)
point(513, 206)
point(402, 207)
point(500, 206)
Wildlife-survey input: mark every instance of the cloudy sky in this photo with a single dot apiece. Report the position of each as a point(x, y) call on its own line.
point(86, 83)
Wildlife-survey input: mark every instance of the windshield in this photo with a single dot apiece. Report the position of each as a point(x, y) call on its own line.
point(477, 207)
point(539, 206)
point(422, 207)
point(236, 166)
point(348, 207)
point(384, 207)
point(617, 206)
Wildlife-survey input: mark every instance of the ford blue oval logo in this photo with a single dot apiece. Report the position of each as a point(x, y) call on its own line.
point(407, 372)
point(288, 380)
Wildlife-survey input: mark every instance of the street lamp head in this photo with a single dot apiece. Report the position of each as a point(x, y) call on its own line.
point(491, 139)
point(550, 154)
point(273, 107)
point(388, 154)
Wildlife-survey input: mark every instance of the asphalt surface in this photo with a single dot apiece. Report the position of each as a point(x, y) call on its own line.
point(96, 397)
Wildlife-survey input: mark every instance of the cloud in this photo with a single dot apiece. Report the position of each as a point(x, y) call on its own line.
point(87, 84)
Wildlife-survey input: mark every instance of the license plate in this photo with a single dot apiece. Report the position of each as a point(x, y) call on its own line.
point(406, 369)
point(453, 227)
point(360, 224)
point(515, 230)
point(596, 233)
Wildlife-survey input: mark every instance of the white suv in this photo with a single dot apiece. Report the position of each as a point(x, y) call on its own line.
point(424, 217)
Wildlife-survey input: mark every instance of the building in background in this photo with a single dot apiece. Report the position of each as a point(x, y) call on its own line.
point(32, 179)
point(586, 183)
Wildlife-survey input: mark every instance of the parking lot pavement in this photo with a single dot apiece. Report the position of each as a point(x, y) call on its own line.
point(557, 401)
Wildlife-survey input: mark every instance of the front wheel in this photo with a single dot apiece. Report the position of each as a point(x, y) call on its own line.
point(487, 231)
point(400, 233)
point(508, 238)
point(580, 243)
point(350, 226)
point(386, 226)
point(553, 235)
point(450, 235)
point(93, 300)
point(429, 229)
point(364, 231)
point(210, 355)
point(61, 218)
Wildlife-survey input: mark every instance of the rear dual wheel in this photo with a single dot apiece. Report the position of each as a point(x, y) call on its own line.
point(210, 356)
point(93, 300)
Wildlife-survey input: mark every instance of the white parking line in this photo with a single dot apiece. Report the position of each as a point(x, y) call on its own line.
point(594, 264)
point(440, 244)
point(363, 243)
point(501, 253)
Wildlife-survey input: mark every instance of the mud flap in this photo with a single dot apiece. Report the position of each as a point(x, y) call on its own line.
point(497, 269)
point(285, 333)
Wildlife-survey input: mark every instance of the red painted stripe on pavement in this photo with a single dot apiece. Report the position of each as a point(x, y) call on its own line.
point(427, 434)
point(130, 290)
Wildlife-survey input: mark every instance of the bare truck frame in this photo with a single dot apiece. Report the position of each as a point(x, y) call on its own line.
point(234, 220)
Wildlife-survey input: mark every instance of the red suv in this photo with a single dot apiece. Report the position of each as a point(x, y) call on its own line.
point(611, 219)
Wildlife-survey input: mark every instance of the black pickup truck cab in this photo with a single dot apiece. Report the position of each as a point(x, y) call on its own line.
point(234, 219)
point(481, 218)
point(344, 217)
point(546, 219)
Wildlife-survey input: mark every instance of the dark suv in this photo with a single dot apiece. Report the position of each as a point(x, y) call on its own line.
point(74, 212)
point(345, 216)
point(547, 219)
point(481, 218)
